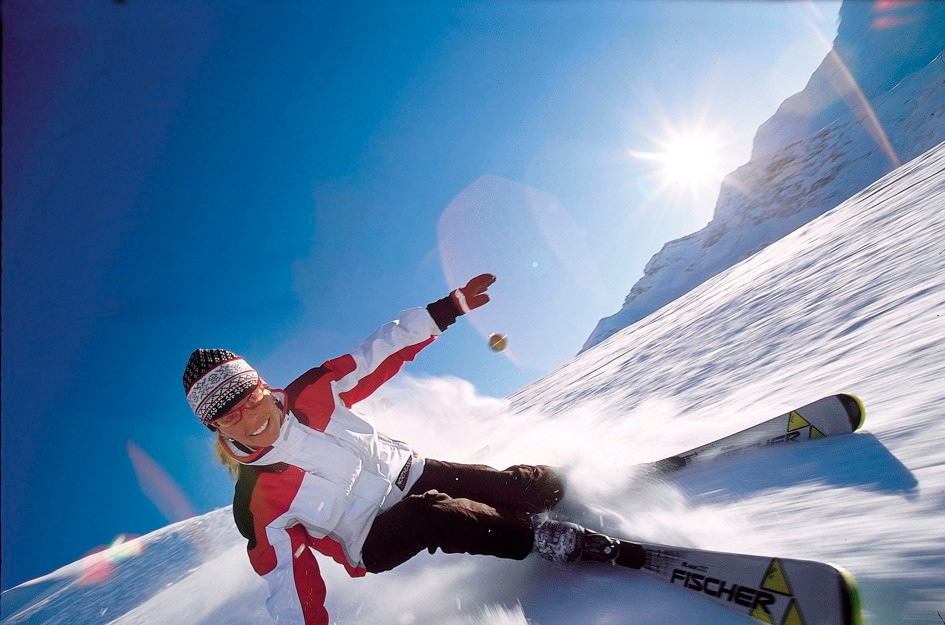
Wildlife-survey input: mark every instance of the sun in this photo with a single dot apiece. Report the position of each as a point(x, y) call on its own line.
point(686, 163)
point(689, 159)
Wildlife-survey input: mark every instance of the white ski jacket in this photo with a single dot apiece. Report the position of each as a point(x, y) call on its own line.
point(329, 473)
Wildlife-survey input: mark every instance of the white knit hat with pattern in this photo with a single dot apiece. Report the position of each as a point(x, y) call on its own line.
point(215, 380)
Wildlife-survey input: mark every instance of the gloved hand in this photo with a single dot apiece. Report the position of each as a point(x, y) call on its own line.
point(473, 295)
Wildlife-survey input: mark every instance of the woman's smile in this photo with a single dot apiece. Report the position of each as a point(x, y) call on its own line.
point(261, 429)
point(259, 425)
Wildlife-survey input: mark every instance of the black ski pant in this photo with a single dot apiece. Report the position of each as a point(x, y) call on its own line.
point(462, 508)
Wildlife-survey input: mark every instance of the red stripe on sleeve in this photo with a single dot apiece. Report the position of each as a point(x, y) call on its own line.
point(385, 371)
point(342, 365)
point(309, 584)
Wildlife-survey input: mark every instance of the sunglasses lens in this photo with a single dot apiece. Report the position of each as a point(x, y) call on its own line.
point(252, 402)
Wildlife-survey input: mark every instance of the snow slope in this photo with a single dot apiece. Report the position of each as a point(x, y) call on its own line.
point(852, 301)
point(876, 100)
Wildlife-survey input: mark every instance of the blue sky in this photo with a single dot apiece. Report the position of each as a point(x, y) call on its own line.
point(280, 177)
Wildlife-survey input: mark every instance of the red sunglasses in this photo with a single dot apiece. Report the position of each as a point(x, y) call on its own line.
point(231, 418)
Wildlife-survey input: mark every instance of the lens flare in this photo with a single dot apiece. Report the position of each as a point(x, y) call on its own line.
point(159, 487)
point(885, 17)
point(844, 83)
point(100, 565)
point(546, 272)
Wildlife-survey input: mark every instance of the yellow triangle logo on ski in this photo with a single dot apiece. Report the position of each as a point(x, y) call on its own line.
point(776, 580)
point(792, 616)
point(761, 614)
point(796, 421)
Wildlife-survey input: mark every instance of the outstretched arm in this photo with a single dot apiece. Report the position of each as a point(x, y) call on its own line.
point(383, 354)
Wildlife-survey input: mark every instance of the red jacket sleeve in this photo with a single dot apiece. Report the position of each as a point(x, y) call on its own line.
point(278, 551)
point(382, 355)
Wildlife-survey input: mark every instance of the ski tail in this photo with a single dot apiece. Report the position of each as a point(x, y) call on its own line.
point(774, 591)
point(834, 415)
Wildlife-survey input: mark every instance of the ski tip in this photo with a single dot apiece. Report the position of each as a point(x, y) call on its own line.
point(856, 411)
point(851, 598)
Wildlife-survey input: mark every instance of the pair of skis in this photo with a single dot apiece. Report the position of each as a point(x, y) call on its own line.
point(775, 591)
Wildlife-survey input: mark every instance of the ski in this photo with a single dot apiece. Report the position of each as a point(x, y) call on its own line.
point(775, 591)
point(830, 416)
point(772, 590)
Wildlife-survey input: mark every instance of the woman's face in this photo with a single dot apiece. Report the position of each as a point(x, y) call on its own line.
point(259, 420)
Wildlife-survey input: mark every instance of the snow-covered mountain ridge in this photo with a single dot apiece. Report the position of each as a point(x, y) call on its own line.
point(877, 99)
point(853, 301)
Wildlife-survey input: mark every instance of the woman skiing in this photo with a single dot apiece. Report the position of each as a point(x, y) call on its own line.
point(313, 474)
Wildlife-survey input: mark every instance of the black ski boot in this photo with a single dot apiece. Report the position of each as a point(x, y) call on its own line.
point(558, 541)
point(561, 541)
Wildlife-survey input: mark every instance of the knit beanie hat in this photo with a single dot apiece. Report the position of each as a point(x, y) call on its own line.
point(215, 380)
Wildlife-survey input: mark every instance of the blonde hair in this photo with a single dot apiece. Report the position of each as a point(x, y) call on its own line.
point(222, 455)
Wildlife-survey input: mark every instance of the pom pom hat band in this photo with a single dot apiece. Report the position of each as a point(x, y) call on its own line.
point(215, 381)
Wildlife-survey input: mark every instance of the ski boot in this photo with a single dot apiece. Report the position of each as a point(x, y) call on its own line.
point(561, 541)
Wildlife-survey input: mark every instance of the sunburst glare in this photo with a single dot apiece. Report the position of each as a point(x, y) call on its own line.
point(687, 162)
